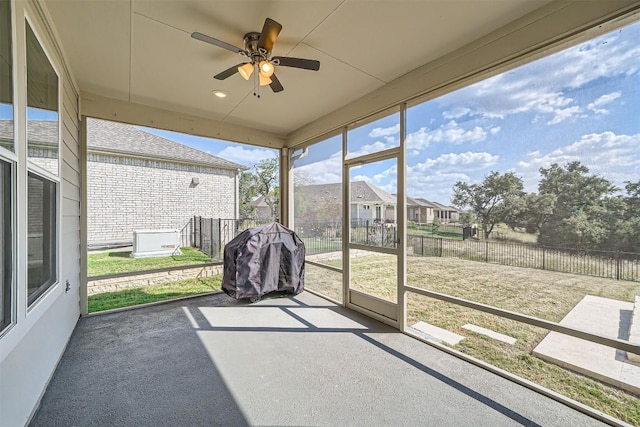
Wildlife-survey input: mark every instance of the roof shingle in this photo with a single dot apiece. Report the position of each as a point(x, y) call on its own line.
point(121, 138)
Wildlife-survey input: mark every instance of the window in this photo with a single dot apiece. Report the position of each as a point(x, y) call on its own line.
point(544, 160)
point(6, 78)
point(382, 133)
point(42, 186)
point(42, 107)
point(317, 201)
point(6, 181)
point(41, 207)
point(5, 245)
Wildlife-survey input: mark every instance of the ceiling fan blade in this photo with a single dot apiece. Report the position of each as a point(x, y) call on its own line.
point(306, 64)
point(228, 72)
point(269, 34)
point(216, 42)
point(276, 86)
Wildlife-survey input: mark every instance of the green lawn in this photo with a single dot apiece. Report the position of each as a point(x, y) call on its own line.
point(104, 263)
point(147, 294)
point(545, 294)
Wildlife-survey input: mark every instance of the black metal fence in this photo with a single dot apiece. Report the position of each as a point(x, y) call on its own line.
point(608, 264)
point(211, 234)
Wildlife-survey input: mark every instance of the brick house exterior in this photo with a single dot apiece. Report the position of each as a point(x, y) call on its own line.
point(137, 180)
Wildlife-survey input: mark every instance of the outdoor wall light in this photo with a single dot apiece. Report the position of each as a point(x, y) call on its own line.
point(195, 181)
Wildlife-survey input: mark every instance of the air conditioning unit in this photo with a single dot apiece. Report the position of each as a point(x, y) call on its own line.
point(155, 243)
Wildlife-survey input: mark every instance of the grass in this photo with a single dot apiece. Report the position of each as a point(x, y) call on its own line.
point(105, 263)
point(544, 294)
point(147, 294)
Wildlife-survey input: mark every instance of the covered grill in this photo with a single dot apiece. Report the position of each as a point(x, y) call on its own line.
point(264, 259)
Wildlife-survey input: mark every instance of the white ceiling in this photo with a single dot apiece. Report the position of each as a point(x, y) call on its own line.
point(141, 50)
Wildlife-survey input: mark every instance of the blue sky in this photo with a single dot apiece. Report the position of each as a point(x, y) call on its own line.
point(582, 104)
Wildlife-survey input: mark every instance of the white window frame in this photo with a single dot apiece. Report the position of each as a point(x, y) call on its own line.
point(55, 287)
point(11, 157)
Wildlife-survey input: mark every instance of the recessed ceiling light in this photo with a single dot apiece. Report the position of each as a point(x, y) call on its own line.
point(220, 93)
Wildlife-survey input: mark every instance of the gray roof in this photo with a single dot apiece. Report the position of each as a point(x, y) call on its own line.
point(361, 192)
point(120, 138)
point(125, 139)
point(43, 132)
point(440, 206)
point(423, 203)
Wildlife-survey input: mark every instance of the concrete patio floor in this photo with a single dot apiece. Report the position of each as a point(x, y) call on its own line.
point(288, 361)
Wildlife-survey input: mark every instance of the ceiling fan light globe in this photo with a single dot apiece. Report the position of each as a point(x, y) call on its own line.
point(264, 81)
point(246, 70)
point(266, 68)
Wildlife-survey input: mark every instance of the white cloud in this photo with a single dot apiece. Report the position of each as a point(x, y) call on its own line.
point(541, 86)
point(596, 105)
point(244, 156)
point(456, 113)
point(378, 132)
point(615, 157)
point(435, 186)
point(326, 171)
point(371, 148)
point(433, 179)
point(455, 162)
point(563, 114)
point(386, 175)
point(450, 132)
point(361, 178)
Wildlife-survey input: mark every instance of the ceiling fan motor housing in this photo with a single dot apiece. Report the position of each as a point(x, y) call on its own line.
point(251, 45)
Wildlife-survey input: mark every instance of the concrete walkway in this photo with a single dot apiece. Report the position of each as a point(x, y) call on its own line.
point(288, 361)
point(603, 316)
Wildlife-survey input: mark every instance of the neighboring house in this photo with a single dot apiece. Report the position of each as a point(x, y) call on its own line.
point(322, 202)
point(442, 212)
point(420, 211)
point(423, 211)
point(137, 180)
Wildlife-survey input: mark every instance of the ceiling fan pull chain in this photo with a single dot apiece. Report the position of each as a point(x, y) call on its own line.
point(254, 84)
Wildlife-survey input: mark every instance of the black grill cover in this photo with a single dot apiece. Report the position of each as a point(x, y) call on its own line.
point(263, 259)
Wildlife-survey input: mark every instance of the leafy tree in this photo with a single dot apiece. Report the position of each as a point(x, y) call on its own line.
point(467, 218)
point(261, 180)
point(582, 213)
point(435, 225)
point(491, 200)
point(248, 193)
point(529, 212)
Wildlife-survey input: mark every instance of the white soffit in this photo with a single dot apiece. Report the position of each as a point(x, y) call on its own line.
point(307, 91)
point(96, 39)
point(141, 50)
point(387, 39)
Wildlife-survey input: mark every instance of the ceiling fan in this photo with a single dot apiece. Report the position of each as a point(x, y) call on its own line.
point(257, 54)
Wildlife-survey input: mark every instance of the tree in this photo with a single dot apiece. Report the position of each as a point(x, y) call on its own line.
point(248, 194)
point(435, 225)
point(490, 200)
point(583, 213)
point(261, 181)
point(529, 212)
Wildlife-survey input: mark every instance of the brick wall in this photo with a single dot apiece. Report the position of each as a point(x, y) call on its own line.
point(125, 194)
